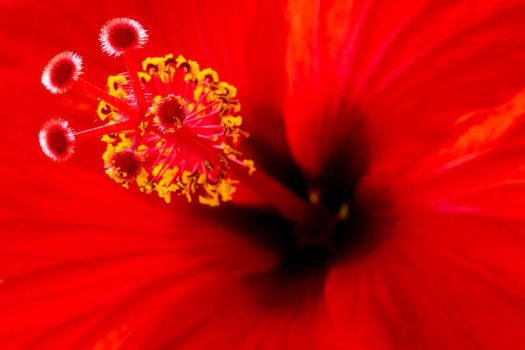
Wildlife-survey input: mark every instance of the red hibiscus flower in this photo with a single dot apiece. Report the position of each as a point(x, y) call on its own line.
point(385, 211)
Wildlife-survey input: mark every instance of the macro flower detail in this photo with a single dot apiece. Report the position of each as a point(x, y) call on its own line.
point(386, 211)
point(171, 127)
point(122, 34)
point(57, 140)
point(62, 72)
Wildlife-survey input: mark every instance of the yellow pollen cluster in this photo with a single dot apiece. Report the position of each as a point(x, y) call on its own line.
point(194, 158)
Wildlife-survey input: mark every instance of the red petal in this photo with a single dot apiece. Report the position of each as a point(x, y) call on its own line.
point(85, 262)
point(449, 272)
point(315, 56)
point(482, 157)
point(442, 280)
point(93, 258)
point(409, 69)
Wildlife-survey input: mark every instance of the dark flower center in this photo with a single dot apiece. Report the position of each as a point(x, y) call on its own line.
point(356, 223)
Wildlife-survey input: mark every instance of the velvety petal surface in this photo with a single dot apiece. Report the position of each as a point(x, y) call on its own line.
point(85, 263)
point(447, 267)
point(434, 87)
point(406, 70)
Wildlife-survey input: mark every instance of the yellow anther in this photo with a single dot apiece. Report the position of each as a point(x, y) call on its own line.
point(194, 162)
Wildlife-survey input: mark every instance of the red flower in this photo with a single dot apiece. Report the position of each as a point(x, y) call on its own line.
point(404, 125)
